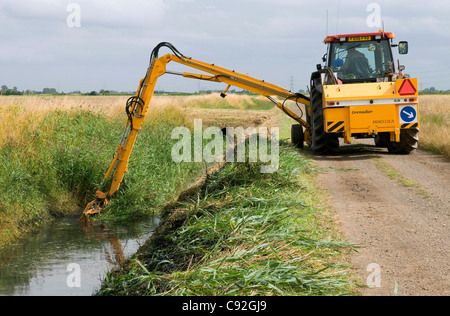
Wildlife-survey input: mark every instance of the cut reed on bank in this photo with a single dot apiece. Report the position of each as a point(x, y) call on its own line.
point(243, 233)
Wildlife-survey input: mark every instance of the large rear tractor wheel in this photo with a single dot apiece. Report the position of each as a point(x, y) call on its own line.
point(322, 142)
point(409, 141)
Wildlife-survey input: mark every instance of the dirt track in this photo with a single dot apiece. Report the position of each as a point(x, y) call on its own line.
point(402, 229)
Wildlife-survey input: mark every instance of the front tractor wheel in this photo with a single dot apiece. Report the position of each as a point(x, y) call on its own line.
point(322, 142)
point(297, 135)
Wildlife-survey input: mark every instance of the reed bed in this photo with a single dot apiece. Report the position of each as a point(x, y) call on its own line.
point(54, 151)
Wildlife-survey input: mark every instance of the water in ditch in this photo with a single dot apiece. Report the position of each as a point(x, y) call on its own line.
point(68, 258)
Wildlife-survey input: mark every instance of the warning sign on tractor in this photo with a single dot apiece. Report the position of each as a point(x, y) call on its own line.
point(408, 114)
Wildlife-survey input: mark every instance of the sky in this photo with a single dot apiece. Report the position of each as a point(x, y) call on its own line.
point(91, 45)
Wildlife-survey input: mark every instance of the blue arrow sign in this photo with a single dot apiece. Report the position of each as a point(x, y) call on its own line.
point(408, 114)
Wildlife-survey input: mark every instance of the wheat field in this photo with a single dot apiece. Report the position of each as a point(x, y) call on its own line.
point(435, 123)
point(25, 113)
point(19, 113)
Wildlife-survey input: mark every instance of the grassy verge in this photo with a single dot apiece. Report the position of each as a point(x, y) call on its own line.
point(52, 162)
point(242, 233)
point(391, 172)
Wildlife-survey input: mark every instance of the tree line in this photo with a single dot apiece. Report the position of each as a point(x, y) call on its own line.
point(433, 90)
point(52, 91)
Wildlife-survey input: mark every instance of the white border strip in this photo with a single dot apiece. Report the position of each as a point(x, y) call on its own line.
point(371, 102)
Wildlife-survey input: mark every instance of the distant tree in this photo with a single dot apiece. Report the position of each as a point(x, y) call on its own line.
point(11, 92)
point(92, 93)
point(4, 88)
point(49, 91)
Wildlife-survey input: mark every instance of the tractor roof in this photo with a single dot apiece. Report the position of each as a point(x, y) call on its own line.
point(359, 37)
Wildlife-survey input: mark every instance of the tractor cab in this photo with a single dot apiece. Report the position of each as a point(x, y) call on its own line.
point(365, 57)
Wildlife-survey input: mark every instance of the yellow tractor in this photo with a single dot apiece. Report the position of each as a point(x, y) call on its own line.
point(360, 94)
point(357, 94)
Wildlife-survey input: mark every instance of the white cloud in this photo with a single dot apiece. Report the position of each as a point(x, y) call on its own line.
point(34, 10)
point(119, 13)
point(115, 13)
point(271, 39)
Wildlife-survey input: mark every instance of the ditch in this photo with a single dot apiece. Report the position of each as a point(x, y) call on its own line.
point(68, 258)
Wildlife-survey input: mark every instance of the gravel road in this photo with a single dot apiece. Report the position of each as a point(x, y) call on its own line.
point(401, 222)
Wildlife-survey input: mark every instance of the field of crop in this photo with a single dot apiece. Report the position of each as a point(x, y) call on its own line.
point(435, 124)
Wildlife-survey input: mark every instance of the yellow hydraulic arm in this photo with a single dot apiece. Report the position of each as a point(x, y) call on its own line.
point(137, 108)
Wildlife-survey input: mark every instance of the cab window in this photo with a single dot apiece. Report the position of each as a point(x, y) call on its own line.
point(360, 60)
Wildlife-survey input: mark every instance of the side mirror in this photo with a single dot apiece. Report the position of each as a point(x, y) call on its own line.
point(403, 48)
